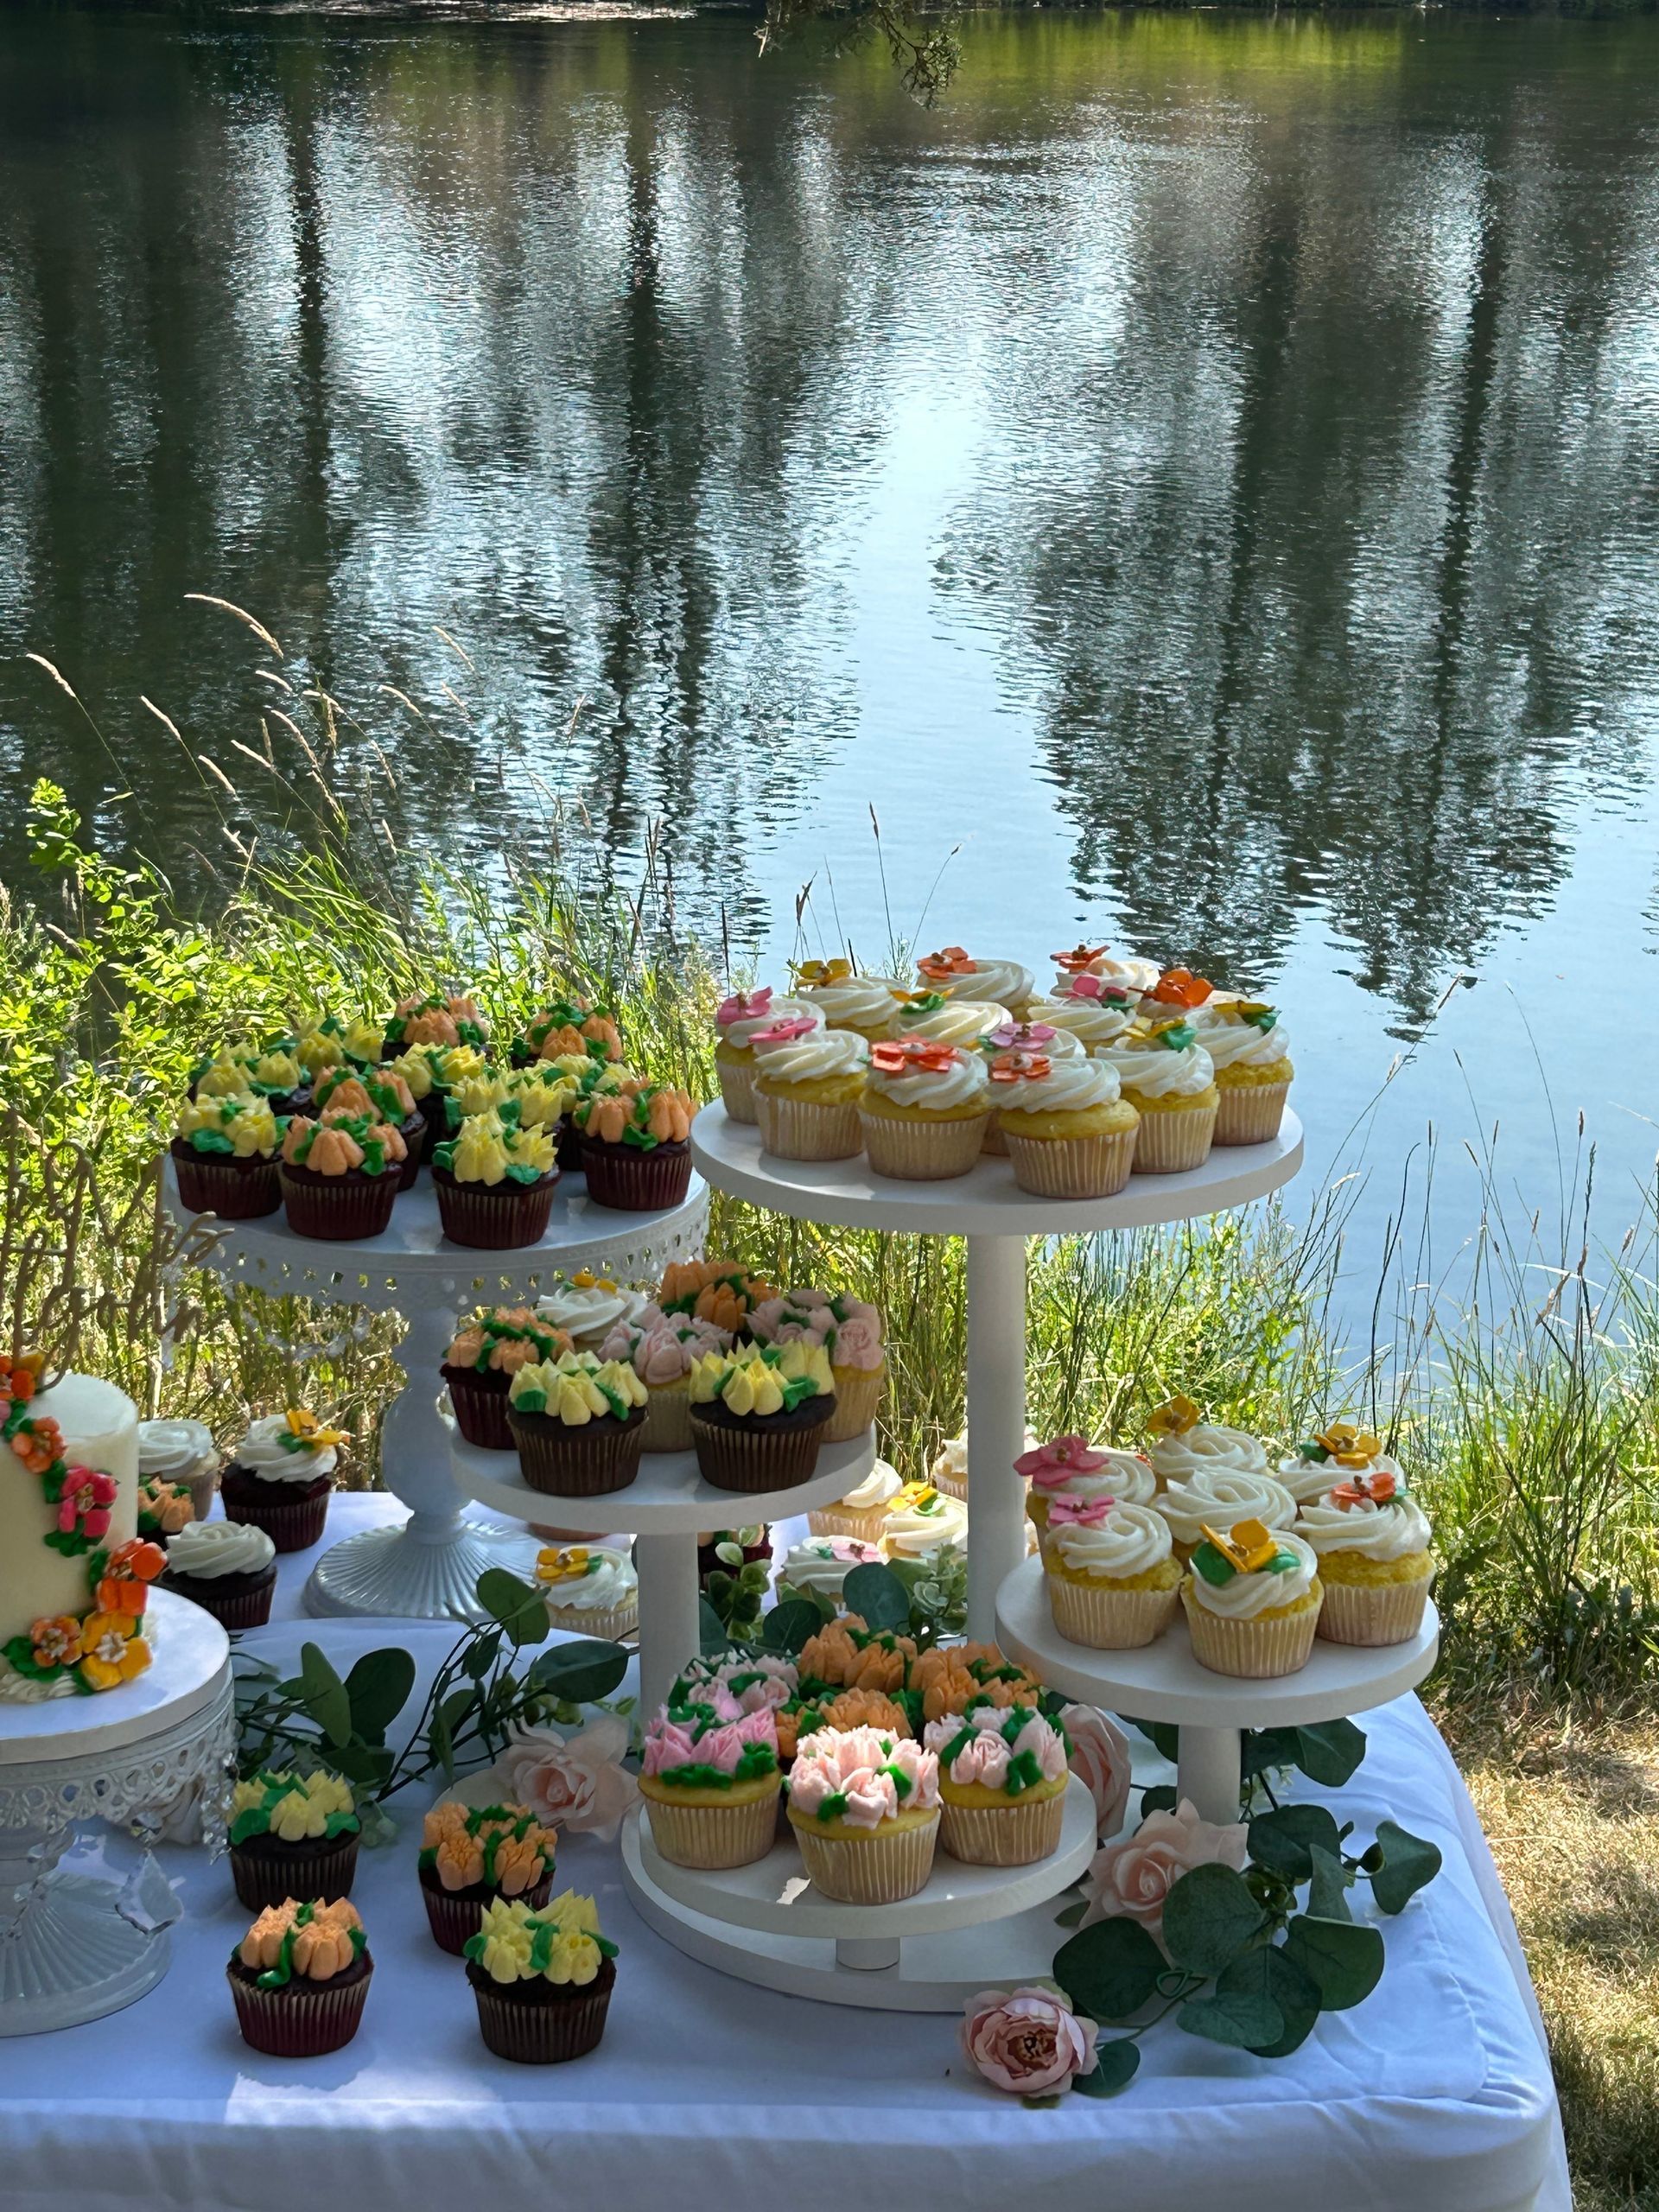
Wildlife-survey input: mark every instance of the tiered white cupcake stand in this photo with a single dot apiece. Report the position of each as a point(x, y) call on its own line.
point(973, 1927)
point(429, 1567)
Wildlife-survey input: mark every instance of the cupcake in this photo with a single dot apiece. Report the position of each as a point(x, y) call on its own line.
point(864, 1805)
point(579, 1424)
point(473, 1855)
point(1181, 1443)
point(1167, 1077)
point(846, 1654)
point(1068, 1132)
point(568, 1026)
point(1002, 982)
point(180, 1452)
point(924, 1110)
point(662, 1349)
point(300, 1978)
point(163, 1508)
point(320, 1046)
point(1250, 1052)
point(1070, 1467)
point(1371, 1540)
point(1002, 1783)
point(1111, 1573)
point(716, 1291)
point(292, 1833)
point(485, 1089)
point(225, 1157)
point(757, 1416)
point(1252, 1596)
point(340, 1176)
point(593, 1079)
point(850, 1332)
point(434, 1019)
point(494, 1182)
point(961, 1677)
point(280, 1476)
point(1340, 1451)
point(1224, 1493)
point(1130, 973)
point(711, 1779)
point(842, 1711)
point(432, 1074)
point(227, 1568)
point(483, 1356)
point(920, 1520)
point(635, 1150)
point(753, 1679)
point(586, 1306)
point(737, 1019)
point(1090, 1009)
point(949, 1470)
point(589, 1589)
point(945, 1020)
point(806, 1086)
point(847, 999)
point(363, 1041)
point(378, 1094)
point(270, 1071)
point(543, 1979)
point(818, 1565)
point(543, 1094)
point(862, 1511)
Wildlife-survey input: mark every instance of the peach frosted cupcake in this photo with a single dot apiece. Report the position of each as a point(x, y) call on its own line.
point(1068, 1131)
point(738, 1018)
point(1166, 1075)
point(636, 1151)
point(434, 1018)
point(1252, 1598)
point(484, 1354)
point(807, 1084)
point(300, 1978)
point(1372, 1539)
point(1001, 983)
point(1111, 1573)
point(568, 1026)
point(340, 1176)
point(864, 1805)
point(926, 1109)
point(710, 1780)
point(471, 1855)
point(1250, 1051)
point(1002, 1780)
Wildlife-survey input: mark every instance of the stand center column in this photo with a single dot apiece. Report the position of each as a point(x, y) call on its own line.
point(996, 1421)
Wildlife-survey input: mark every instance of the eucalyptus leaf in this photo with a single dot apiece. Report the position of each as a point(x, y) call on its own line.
point(877, 1595)
point(1118, 2061)
point(1283, 1839)
point(1346, 1962)
point(481, 1654)
point(1244, 2018)
point(325, 1695)
point(712, 1635)
point(1329, 1751)
point(1161, 1733)
point(582, 1671)
point(1163, 1798)
point(1263, 1749)
point(455, 1707)
point(1409, 1861)
point(1110, 1970)
point(366, 1765)
point(521, 1609)
point(1267, 1972)
point(1209, 1917)
point(1327, 1895)
point(378, 1688)
point(787, 1626)
point(441, 1748)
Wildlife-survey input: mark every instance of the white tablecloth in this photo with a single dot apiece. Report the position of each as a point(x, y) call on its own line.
point(1433, 2096)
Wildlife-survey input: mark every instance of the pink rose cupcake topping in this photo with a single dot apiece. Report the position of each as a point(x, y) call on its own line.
point(861, 1775)
point(1012, 1751)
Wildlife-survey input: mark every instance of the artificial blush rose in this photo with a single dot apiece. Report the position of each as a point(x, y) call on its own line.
point(1133, 1878)
point(1100, 1758)
point(575, 1782)
point(1028, 2041)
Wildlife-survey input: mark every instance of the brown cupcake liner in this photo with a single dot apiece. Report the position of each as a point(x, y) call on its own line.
point(414, 1134)
point(453, 1915)
point(1016, 1834)
point(235, 1190)
point(338, 1209)
point(547, 2024)
point(242, 1608)
point(1072, 1167)
point(302, 2019)
point(878, 1869)
point(668, 1420)
point(805, 1128)
point(324, 1869)
point(1105, 1619)
point(502, 1216)
point(1256, 1650)
point(1372, 1613)
point(630, 1180)
point(481, 1404)
point(1166, 1143)
point(923, 1152)
point(564, 1462)
point(858, 1394)
point(736, 1089)
point(292, 1525)
point(1250, 1113)
point(712, 1836)
point(567, 1148)
point(755, 1457)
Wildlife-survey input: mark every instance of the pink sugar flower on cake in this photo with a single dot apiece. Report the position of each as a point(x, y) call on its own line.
point(879, 1776)
point(1052, 1464)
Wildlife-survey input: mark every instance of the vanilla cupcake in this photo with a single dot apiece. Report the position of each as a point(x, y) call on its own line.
point(864, 1806)
point(945, 1021)
point(1002, 982)
point(1133, 974)
point(1340, 1451)
point(847, 999)
point(588, 1588)
point(862, 1511)
point(1250, 1052)
point(1223, 1495)
point(806, 1084)
point(920, 1520)
point(736, 1021)
point(818, 1565)
point(1068, 1131)
point(1074, 1469)
point(949, 1472)
point(586, 1306)
point(1371, 1539)
point(1002, 1783)
point(1179, 1442)
point(1111, 1573)
point(926, 1109)
point(1168, 1078)
point(1092, 1008)
point(710, 1778)
point(1252, 1598)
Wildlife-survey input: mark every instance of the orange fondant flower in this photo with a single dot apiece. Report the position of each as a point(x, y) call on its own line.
point(1180, 987)
point(56, 1642)
point(1018, 1067)
point(1079, 960)
point(912, 1056)
point(951, 961)
point(1379, 1488)
point(138, 1561)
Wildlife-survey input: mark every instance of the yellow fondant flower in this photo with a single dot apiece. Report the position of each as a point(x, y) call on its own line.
point(112, 1651)
point(1173, 1419)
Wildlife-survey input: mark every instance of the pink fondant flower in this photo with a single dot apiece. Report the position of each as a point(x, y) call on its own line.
point(743, 1006)
point(1131, 1879)
point(1051, 1464)
point(783, 1033)
point(1020, 1036)
point(1028, 2041)
point(87, 1498)
point(575, 1782)
point(1079, 1512)
point(1100, 1758)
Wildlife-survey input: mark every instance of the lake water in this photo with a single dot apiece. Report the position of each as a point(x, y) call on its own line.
point(1198, 485)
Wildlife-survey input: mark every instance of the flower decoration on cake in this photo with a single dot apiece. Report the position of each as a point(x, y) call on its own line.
point(313, 1941)
point(341, 1143)
point(1178, 987)
point(939, 966)
point(743, 1006)
point(1080, 959)
point(906, 1056)
point(504, 1845)
point(1249, 1547)
point(1377, 1486)
point(845, 1654)
point(719, 1292)
point(1016, 1066)
point(1175, 1417)
point(294, 1808)
point(962, 1677)
point(436, 1020)
point(1173, 1036)
point(1052, 1465)
point(812, 975)
point(927, 1001)
point(1026, 1038)
point(1342, 1445)
point(560, 1943)
point(656, 1115)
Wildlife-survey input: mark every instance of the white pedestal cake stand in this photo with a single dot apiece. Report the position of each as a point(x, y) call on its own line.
point(429, 1567)
point(664, 1506)
point(72, 1948)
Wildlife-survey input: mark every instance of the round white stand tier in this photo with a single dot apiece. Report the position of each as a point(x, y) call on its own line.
point(665, 1506)
point(72, 1948)
point(970, 1927)
point(429, 1567)
point(1163, 1681)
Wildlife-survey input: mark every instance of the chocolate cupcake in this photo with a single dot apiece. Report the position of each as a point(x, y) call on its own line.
point(292, 1835)
point(543, 1979)
point(300, 1978)
point(271, 1071)
point(472, 1856)
point(566, 1027)
point(227, 1568)
point(340, 1176)
point(434, 1019)
point(579, 1424)
point(495, 1182)
point(225, 1156)
point(483, 1356)
point(378, 1094)
point(163, 1508)
point(757, 1416)
point(634, 1149)
point(281, 1475)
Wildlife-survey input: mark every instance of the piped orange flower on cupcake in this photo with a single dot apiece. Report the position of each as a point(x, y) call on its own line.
point(951, 960)
point(1079, 960)
point(912, 1056)
point(1180, 987)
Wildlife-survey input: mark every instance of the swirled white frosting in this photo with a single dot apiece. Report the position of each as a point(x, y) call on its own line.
point(913, 1530)
point(824, 1563)
point(1241, 1044)
point(589, 1314)
point(867, 1002)
point(1153, 1071)
point(262, 1453)
point(1212, 1444)
point(1222, 1495)
point(28, 1689)
point(1131, 1540)
point(963, 1083)
point(1247, 1595)
point(806, 1059)
point(1004, 982)
point(878, 1486)
point(1126, 1476)
point(1136, 974)
point(1381, 1532)
point(958, 1021)
point(1070, 1087)
point(612, 1583)
point(211, 1548)
point(173, 1451)
point(1095, 1021)
point(742, 1032)
point(1308, 1480)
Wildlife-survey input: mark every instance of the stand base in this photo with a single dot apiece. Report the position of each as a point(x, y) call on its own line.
point(416, 1575)
point(74, 1957)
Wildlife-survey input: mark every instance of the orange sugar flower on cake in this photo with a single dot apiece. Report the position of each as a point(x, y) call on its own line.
point(1079, 960)
point(1016, 1066)
point(1180, 987)
point(912, 1056)
point(866, 1708)
point(950, 960)
point(56, 1643)
point(460, 1861)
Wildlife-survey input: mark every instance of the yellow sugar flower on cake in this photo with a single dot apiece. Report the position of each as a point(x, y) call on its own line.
point(415, 1067)
point(454, 1065)
point(1174, 1418)
point(250, 1129)
point(481, 1093)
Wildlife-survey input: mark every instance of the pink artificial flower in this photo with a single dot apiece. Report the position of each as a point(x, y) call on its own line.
point(1131, 1879)
point(1100, 1759)
point(1095, 987)
point(1079, 1512)
point(1051, 1464)
point(576, 1782)
point(1028, 2041)
point(743, 1006)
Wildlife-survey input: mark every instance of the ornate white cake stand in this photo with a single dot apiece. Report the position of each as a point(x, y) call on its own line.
point(72, 1948)
point(429, 1567)
point(665, 1506)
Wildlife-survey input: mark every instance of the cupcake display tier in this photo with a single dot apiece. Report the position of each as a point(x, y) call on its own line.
point(429, 1567)
point(970, 1927)
point(665, 1506)
point(73, 1947)
point(1163, 1681)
